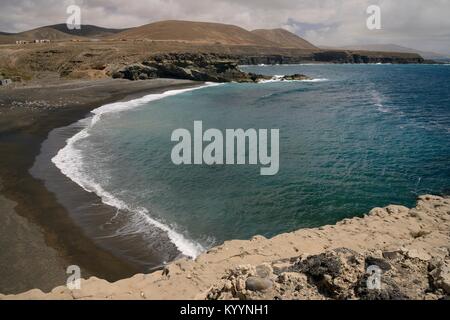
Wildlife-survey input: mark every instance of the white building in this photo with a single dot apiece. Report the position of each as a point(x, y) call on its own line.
point(5, 82)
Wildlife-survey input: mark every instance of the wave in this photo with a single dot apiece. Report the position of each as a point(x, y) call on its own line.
point(378, 101)
point(69, 160)
point(279, 78)
point(285, 64)
point(315, 80)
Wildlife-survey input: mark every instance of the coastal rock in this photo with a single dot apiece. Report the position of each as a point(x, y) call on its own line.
point(418, 254)
point(135, 72)
point(380, 263)
point(338, 274)
point(258, 284)
point(441, 275)
point(264, 270)
point(295, 77)
point(334, 272)
point(193, 66)
point(199, 67)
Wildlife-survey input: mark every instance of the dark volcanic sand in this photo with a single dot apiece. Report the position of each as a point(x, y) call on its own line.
point(38, 238)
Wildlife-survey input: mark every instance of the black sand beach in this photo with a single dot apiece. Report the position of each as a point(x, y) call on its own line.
point(38, 239)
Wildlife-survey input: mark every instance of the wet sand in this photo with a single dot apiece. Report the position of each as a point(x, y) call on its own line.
point(38, 238)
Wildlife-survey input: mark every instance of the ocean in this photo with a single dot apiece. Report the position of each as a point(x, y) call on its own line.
point(356, 137)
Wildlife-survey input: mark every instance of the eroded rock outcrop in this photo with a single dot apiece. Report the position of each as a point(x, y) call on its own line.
point(198, 67)
point(340, 274)
point(136, 71)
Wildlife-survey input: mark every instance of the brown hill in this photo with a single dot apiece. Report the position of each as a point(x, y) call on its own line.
point(87, 30)
point(284, 38)
point(48, 32)
point(59, 32)
point(196, 32)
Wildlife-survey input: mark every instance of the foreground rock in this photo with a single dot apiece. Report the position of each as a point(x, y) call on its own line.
point(136, 71)
point(340, 274)
point(408, 247)
point(295, 77)
point(198, 67)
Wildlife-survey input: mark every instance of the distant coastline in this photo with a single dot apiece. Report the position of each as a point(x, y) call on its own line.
point(99, 53)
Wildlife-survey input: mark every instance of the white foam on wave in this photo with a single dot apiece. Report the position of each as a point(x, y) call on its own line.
point(279, 78)
point(69, 161)
point(315, 80)
point(378, 101)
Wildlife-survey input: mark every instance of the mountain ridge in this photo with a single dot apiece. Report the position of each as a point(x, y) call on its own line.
point(58, 32)
point(168, 30)
point(195, 32)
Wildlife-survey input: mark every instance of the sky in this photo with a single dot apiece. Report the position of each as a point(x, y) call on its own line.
point(419, 24)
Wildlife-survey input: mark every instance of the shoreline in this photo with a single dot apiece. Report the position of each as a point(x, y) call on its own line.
point(412, 244)
point(68, 153)
point(28, 115)
point(24, 129)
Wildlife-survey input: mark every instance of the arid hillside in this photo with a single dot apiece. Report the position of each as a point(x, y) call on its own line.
point(196, 32)
point(284, 38)
point(87, 30)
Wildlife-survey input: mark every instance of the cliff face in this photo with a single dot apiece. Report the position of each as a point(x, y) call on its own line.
point(330, 56)
point(217, 67)
point(408, 249)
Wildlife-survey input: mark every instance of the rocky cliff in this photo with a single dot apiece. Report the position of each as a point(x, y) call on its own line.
point(216, 67)
point(199, 67)
point(333, 56)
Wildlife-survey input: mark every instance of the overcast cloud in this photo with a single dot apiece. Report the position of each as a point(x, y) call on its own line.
point(415, 23)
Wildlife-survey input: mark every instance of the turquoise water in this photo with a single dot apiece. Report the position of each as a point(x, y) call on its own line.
point(367, 136)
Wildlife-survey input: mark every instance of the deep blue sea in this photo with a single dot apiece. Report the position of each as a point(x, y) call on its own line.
point(359, 137)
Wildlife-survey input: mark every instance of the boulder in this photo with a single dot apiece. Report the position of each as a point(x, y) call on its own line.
point(441, 275)
point(334, 272)
point(258, 284)
point(135, 72)
point(295, 77)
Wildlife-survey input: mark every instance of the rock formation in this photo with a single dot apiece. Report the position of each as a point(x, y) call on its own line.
point(339, 274)
point(188, 66)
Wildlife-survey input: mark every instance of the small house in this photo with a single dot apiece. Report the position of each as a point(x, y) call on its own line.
point(41, 41)
point(5, 82)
